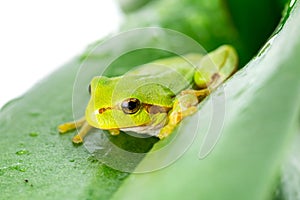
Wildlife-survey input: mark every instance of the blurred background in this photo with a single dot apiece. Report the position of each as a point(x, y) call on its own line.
point(39, 36)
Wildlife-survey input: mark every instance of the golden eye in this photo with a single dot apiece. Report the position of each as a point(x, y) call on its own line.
point(131, 105)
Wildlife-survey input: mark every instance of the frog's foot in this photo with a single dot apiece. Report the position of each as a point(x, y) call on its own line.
point(78, 138)
point(215, 67)
point(184, 105)
point(114, 131)
point(166, 131)
point(69, 126)
point(174, 119)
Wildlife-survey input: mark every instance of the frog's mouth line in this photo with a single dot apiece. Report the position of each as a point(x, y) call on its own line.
point(154, 113)
point(151, 109)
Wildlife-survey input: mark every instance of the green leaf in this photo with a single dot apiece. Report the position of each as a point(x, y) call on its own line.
point(254, 29)
point(290, 178)
point(132, 5)
point(37, 162)
point(50, 166)
point(261, 122)
point(213, 23)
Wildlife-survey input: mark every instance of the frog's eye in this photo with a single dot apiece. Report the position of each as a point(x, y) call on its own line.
point(131, 105)
point(90, 89)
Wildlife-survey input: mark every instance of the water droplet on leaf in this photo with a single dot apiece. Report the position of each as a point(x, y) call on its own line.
point(34, 113)
point(18, 167)
point(22, 152)
point(267, 46)
point(33, 134)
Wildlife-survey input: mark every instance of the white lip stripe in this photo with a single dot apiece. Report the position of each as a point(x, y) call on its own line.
point(96, 112)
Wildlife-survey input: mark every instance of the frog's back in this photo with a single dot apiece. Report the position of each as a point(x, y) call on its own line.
point(175, 73)
point(157, 83)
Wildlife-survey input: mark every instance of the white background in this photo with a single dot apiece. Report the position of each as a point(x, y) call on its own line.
point(36, 37)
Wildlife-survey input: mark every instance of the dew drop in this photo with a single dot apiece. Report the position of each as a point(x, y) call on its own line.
point(21, 144)
point(292, 3)
point(18, 167)
point(22, 152)
point(33, 134)
point(267, 46)
point(34, 113)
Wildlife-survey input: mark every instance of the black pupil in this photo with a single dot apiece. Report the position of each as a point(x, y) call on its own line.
point(131, 105)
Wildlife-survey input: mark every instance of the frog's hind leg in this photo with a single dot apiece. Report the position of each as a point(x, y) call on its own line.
point(184, 105)
point(68, 126)
point(211, 71)
point(215, 67)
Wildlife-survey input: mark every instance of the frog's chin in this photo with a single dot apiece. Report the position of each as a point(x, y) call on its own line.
point(153, 128)
point(148, 130)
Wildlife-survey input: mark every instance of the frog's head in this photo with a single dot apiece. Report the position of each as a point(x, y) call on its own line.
point(123, 102)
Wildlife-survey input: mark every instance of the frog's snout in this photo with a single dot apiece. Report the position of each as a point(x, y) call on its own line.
point(91, 116)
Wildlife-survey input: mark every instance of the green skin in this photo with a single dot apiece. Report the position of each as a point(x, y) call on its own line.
point(164, 90)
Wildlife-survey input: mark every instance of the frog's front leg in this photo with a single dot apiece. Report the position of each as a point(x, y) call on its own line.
point(69, 126)
point(78, 138)
point(185, 104)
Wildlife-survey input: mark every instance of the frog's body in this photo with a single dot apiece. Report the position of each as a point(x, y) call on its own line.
point(153, 98)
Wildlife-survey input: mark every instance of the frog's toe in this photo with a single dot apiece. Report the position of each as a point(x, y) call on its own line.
point(165, 131)
point(114, 131)
point(77, 139)
point(63, 128)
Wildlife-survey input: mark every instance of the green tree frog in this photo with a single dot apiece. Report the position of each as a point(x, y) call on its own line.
point(153, 98)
